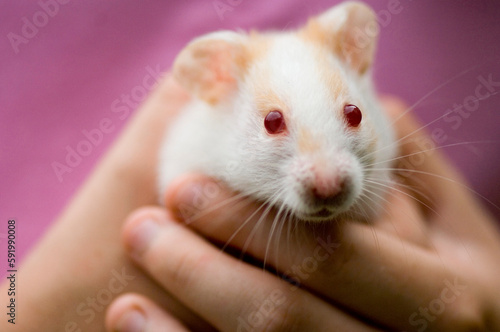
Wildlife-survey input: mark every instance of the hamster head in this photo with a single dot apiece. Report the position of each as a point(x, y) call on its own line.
point(302, 128)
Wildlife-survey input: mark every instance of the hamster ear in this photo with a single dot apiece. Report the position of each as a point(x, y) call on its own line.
point(210, 66)
point(351, 30)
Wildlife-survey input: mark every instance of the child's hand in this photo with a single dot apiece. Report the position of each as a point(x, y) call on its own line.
point(79, 266)
point(430, 263)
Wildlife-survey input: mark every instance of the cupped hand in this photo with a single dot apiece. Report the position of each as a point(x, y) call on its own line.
point(428, 263)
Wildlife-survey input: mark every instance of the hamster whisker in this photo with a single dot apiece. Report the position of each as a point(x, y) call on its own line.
point(267, 208)
point(370, 206)
point(438, 215)
point(429, 150)
point(278, 223)
point(415, 190)
point(389, 188)
point(431, 243)
point(412, 107)
point(268, 204)
point(409, 219)
point(281, 214)
point(361, 210)
point(403, 170)
point(238, 198)
point(396, 142)
point(243, 224)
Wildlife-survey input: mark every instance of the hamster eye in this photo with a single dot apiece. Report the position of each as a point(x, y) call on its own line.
point(352, 115)
point(274, 122)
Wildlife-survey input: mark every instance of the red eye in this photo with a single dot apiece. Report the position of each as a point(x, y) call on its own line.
point(274, 122)
point(352, 115)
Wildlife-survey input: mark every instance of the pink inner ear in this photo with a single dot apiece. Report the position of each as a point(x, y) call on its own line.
point(208, 68)
point(220, 77)
point(358, 47)
point(221, 65)
point(359, 35)
point(350, 30)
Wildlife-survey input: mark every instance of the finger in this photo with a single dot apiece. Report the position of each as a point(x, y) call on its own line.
point(195, 198)
point(135, 152)
point(357, 265)
point(135, 313)
point(421, 159)
point(401, 215)
point(448, 198)
point(231, 295)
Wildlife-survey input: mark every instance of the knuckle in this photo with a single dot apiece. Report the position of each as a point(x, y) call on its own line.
point(338, 261)
point(186, 266)
point(468, 324)
point(466, 316)
point(288, 316)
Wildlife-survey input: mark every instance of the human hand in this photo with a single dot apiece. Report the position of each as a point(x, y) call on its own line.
point(429, 263)
point(88, 266)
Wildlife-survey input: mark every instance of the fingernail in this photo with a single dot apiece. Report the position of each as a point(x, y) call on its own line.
point(131, 321)
point(141, 236)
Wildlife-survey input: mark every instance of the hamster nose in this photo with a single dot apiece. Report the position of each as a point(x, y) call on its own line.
point(328, 192)
point(324, 191)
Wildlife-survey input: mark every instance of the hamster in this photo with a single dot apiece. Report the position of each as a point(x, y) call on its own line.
point(289, 118)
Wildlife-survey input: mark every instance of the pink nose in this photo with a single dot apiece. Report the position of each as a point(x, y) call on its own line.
point(324, 189)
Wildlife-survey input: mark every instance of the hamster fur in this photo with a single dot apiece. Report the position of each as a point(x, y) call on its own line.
point(319, 167)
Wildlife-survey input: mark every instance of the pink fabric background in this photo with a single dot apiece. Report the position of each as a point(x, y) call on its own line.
point(76, 67)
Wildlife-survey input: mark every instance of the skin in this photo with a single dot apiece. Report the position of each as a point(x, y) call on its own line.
point(186, 283)
point(428, 263)
point(82, 249)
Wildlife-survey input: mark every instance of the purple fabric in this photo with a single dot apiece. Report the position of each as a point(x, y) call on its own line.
point(74, 69)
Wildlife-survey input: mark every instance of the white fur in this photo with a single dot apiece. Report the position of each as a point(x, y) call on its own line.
point(228, 141)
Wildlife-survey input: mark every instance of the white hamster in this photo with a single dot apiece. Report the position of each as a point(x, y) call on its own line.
point(288, 118)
